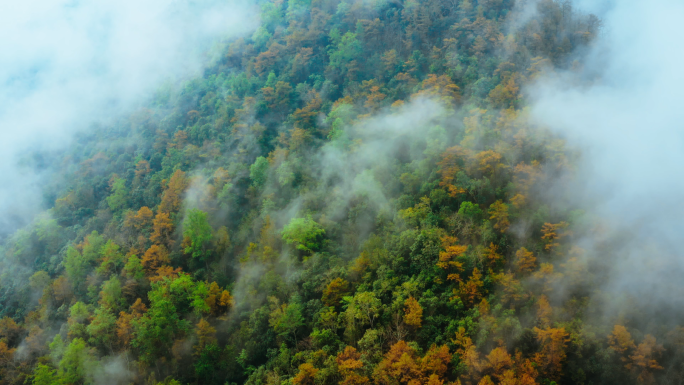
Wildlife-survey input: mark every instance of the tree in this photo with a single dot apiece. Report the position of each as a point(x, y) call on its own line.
point(335, 291)
point(498, 362)
point(306, 375)
point(435, 364)
point(401, 365)
point(344, 50)
point(304, 233)
point(447, 258)
point(525, 261)
point(364, 307)
point(620, 340)
point(110, 295)
point(643, 360)
point(112, 259)
point(492, 256)
point(206, 334)
point(155, 331)
point(6, 362)
point(45, 375)
point(553, 343)
point(78, 363)
point(258, 171)
point(470, 291)
point(197, 234)
point(155, 257)
point(102, 329)
point(140, 220)
point(286, 318)
point(449, 167)
point(219, 301)
point(76, 267)
point(498, 212)
point(544, 311)
point(172, 197)
point(439, 87)
point(124, 329)
point(350, 366)
point(468, 354)
point(10, 332)
point(118, 199)
point(162, 228)
point(398, 366)
point(470, 210)
point(553, 233)
point(413, 312)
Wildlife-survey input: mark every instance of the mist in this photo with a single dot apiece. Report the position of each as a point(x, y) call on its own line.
point(622, 111)
point(66, 65)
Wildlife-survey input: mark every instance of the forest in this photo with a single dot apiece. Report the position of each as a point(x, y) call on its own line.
point(355, 193)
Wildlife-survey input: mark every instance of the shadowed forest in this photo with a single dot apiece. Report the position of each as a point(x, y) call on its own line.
point(353, 194)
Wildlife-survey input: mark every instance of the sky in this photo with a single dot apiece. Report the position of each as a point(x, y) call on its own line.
point(66, 64)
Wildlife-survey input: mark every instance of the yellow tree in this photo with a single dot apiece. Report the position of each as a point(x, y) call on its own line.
point(141, 219)
point(398, 366)
point(498, 362)
point(448, 167)
point(498, 211)
point(553, 342)
point(470, 291)
point(155, 257)
point(552, 234)
point(173, 194)
point(349, 365)
point(447, 258)
point(491, 255)
point(333, 293)
point(524, 261)
point(162, 229)
point(643, 360)
point(434, 364)
point(413, 312)
point(219, 301)
point(469, 356)
point(306, 375)
point(620, 340)
point(206, 334)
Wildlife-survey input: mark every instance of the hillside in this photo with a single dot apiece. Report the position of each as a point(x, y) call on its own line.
point(353, 194)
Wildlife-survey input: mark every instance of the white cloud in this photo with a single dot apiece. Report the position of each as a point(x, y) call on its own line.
point(67, 63)
point(629, 123)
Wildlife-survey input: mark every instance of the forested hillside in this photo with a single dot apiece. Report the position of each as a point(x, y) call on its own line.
point(354, 194)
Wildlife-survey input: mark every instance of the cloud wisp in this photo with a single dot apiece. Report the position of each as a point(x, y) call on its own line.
point(67, 64)
point(623, 111)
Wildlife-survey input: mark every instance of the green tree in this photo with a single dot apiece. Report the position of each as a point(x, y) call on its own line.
point(112, 259)
point(470, 210)
point(111, 295)
point(364, 307)
point(156, 330)
point(304, 233)
point(286, 318)
point(78, 363)
point(345, 49)
point(197, 234)
point(118, 199)
point(76, 267)
point(45, 375)
point(258, 171)
point(102, 329)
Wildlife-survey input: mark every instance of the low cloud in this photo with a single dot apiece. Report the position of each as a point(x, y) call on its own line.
point(622, 110)
point(68, 64)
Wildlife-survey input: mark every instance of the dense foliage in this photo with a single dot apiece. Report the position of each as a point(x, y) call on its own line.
point(353, 194)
